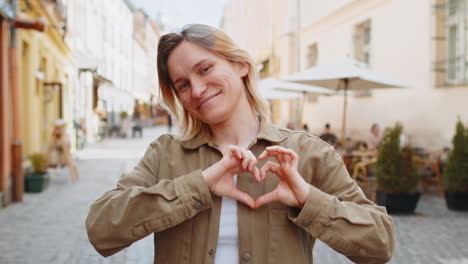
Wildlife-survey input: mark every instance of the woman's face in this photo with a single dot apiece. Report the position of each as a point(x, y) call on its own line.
point(375, 130)
point(209, 86)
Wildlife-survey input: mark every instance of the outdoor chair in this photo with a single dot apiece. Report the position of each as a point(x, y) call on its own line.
point(428, 166)
point(361, 176)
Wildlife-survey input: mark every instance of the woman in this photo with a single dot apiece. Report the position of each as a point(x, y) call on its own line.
point(59, 150)
point(374, 139)
point(291, 187)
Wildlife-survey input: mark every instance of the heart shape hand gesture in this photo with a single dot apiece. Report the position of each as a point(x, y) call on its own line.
point(292, 189)
point(220, 176)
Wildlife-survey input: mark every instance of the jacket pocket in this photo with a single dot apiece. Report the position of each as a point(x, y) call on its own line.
point(277, 217)
point(285, 243)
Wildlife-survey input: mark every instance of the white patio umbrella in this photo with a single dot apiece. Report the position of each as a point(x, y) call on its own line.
point(292, 87)
point(291, 90)
point(346, 74)
point(274, 94)
point(267, 90)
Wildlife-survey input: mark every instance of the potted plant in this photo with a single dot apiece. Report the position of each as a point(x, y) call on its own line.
point(37, 179)
point(455, 175)
point(123, 124)
point(123, 115)
point(396, 176)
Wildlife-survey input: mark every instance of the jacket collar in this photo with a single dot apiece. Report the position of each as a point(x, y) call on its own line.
point(267, 132)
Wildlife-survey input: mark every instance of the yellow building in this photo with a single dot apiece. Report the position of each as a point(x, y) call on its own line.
point(45, 73)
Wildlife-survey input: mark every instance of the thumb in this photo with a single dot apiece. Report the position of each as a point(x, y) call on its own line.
point(241, 197)
point(266, 198)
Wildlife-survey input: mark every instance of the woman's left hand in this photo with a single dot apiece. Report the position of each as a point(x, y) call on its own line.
point(292, 189)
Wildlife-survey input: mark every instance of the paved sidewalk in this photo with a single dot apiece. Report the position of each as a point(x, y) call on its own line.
point(49, 227)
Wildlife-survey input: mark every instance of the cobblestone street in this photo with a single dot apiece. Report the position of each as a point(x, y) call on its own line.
point(49, 227)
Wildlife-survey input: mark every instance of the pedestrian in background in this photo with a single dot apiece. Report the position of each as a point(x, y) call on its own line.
point(374, 139)
point(231, 186)
point(328, 136)
point(59, 150)
point(137, 127)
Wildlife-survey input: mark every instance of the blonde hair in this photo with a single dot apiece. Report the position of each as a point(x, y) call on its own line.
point(213, 40)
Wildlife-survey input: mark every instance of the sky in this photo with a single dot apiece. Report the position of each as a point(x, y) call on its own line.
point(177, 13)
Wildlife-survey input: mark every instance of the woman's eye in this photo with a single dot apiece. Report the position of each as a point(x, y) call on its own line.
point(183, 86)
point(206, 69)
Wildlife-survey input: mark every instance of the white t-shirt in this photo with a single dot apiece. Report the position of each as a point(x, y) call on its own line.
point(227, 250)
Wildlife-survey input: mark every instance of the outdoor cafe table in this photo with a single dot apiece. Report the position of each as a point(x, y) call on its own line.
point(350, 158)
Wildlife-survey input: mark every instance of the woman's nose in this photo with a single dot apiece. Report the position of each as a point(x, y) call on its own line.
point(198, 88)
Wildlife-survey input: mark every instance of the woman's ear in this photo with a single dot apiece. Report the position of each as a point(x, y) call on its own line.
point(242, 68)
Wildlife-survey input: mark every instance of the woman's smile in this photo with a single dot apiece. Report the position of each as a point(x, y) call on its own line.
point(207, 100)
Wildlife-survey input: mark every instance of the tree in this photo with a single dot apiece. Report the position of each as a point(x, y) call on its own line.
point(395, 171)
point(456, 173)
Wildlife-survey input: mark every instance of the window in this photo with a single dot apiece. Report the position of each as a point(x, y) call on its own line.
point(42, 66)
point(312, 55)
point(452, 53)
point(362, 42)
point(452, 9)
point(456, 35)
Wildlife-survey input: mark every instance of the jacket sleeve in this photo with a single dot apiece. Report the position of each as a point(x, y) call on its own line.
point(338, 213)
point(143, 204)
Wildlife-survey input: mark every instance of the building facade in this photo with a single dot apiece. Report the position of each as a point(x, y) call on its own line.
point(145, 81)
point(35, 67)
point(425, 49)
point(109, 42)
point(75, 60)
point(46, 68)
point(100, 37)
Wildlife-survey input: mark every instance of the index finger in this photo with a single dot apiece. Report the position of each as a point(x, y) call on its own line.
point(235, 151)
point(263, 155)
point(285, 151)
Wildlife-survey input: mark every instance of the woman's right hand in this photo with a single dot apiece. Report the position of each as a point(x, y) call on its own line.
point(220, 176)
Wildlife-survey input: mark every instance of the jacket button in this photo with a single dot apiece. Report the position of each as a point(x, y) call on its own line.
point(211, 252)
point(246, 257)
point(306, 223)
point(198, 206)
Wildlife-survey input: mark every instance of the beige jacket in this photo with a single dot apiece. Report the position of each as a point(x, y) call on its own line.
point(166, 195)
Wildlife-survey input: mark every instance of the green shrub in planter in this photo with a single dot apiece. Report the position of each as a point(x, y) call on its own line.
point(38, 179)
point(123, 115)
point(455, 175)
point(396, 176)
